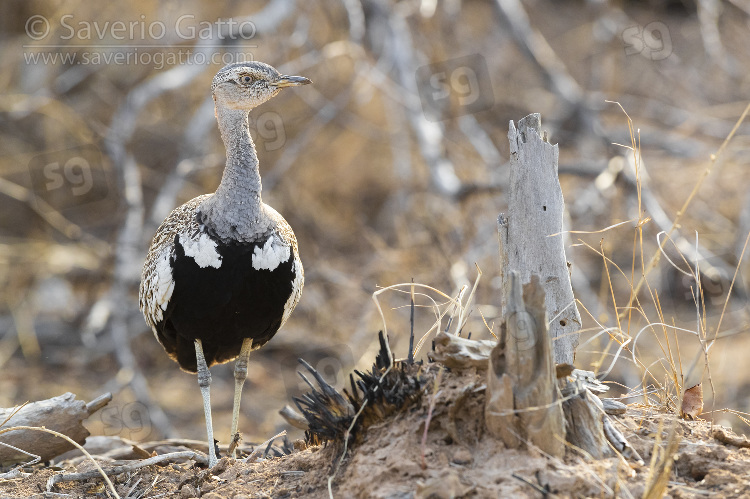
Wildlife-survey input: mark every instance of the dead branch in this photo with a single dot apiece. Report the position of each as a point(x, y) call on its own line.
point(618, 441)
point(116, 470)
point(588, 380)
point(583, 414)
point(264, 446)
point(293, 417)
point(708, 15)
point(614, 407)
point(63, 414)
point(121, 449)
point(588, 426)
point(709, 263)
point(75, 444)
point(460, 353)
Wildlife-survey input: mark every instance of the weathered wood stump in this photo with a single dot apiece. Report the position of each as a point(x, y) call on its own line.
point(534, 396)
point(523, 401)
point(530, 233)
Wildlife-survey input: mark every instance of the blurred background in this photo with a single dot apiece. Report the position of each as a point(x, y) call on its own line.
point(390, 168)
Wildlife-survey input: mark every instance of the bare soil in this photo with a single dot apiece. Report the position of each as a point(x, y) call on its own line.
point(458, 459)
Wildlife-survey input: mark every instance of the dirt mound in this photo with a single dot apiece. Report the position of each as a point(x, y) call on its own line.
point(457, 458)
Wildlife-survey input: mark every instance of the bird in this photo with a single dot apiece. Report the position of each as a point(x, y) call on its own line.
point(223, 274)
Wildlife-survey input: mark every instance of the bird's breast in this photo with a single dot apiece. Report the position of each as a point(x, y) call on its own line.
point(226, 292)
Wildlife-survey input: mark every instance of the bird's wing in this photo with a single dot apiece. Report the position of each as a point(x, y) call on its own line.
point(286, 234)
point(156, 279)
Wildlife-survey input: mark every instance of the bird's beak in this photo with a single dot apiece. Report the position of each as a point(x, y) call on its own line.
point(291, 81)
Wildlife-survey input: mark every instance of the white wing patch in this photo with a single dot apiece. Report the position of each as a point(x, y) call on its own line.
point(164, 282)
point(157, 288)
point(272, 254)
point(162, 285)
point(202, 250)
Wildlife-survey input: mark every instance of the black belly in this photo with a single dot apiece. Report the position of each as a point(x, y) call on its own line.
point(222, 307)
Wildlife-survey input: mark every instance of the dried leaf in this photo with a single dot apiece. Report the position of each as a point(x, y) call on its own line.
point(692, 402)
point(563, 370)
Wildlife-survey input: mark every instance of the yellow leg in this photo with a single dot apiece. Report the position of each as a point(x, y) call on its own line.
point(240, 375)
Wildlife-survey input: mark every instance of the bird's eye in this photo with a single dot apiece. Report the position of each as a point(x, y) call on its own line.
point(246, 79)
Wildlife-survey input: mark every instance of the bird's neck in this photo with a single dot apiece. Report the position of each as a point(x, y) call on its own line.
point(241, 172)
point(235, 210)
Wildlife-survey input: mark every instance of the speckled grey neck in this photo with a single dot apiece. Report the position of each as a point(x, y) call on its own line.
point(235, 211)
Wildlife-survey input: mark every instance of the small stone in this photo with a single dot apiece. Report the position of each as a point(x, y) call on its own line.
point(187, 491)
point(462, 456)
point(717, 478)
point(221, 466)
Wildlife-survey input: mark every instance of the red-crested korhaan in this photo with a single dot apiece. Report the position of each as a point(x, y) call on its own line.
point(223, 273)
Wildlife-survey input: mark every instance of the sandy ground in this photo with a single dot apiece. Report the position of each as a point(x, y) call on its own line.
point(458, 459)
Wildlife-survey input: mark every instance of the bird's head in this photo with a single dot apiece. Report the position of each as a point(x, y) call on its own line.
point(246, 85)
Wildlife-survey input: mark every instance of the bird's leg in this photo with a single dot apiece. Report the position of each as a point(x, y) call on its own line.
point(204, 381)
point(240, 375)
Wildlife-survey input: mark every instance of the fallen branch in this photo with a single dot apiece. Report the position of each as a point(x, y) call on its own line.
point(460, 353)
point(63, 414)
point(116, 470)
point(265, 445)
point(293, 417)
point(585, 425)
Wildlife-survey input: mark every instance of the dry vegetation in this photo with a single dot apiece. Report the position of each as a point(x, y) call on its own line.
point(379, 195)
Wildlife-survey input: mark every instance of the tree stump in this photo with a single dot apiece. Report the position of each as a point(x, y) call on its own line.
point(523, 400)
point(530, 233)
